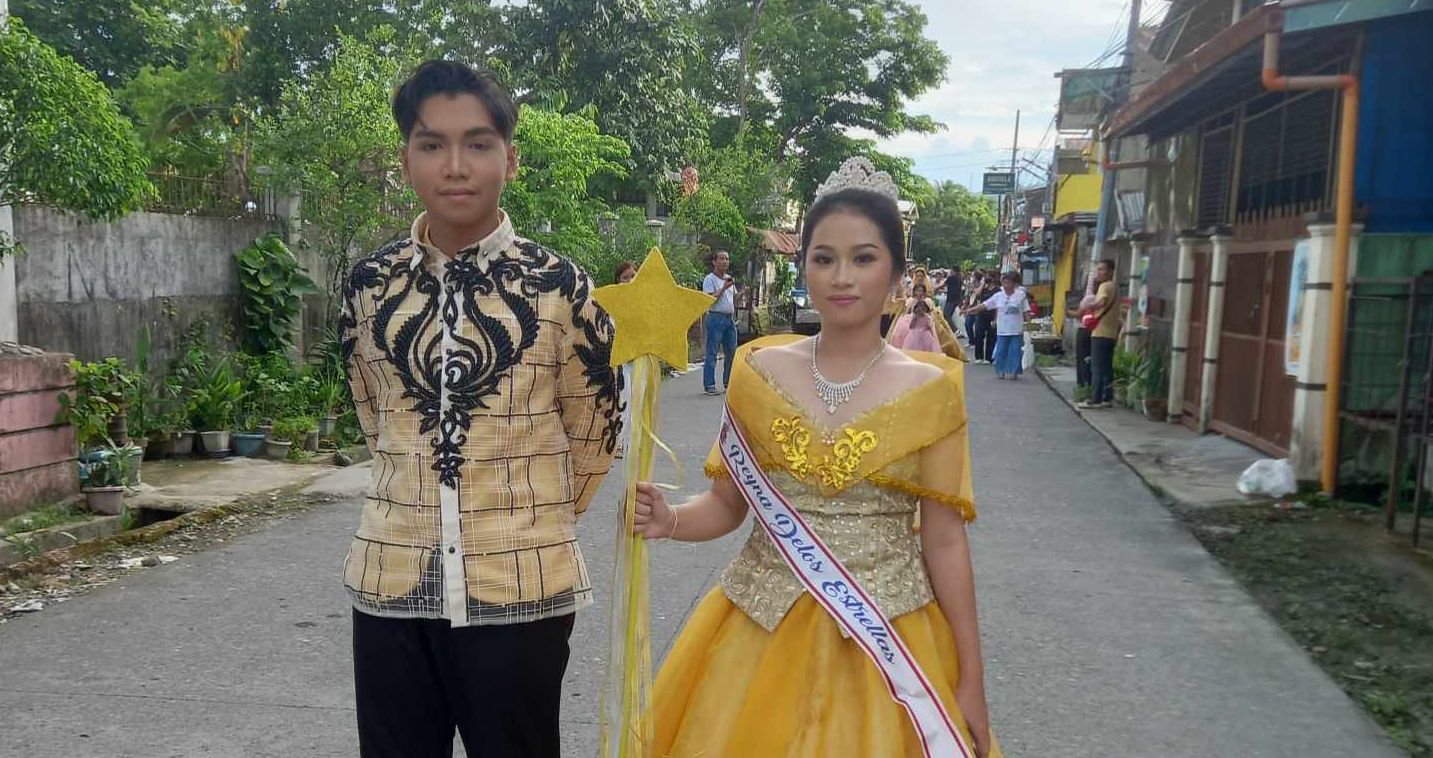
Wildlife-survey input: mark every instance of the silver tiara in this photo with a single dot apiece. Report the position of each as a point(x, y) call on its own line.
point(859, 173)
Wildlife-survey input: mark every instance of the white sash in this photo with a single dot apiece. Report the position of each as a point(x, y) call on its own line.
point(837, 590)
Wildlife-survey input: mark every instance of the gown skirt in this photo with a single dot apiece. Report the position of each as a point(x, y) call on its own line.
point(731, 689)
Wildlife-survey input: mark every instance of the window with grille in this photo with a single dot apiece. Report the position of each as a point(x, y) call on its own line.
point(1286, 154)
point(1215, 151)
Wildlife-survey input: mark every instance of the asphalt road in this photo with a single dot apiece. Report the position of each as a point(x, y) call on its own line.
point(1108, 631)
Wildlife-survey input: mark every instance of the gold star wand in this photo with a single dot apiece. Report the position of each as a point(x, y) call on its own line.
point(652, 315)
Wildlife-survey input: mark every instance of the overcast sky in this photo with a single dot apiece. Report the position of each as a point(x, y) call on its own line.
point(1003, 57)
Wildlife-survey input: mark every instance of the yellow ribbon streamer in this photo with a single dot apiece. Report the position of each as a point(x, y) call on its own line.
point(627, 730)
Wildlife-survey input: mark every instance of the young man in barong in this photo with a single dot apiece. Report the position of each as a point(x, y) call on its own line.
point(479, 368)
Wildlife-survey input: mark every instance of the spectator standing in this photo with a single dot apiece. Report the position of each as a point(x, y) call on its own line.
point(719, 324)
point(972, 298)
point(954, 293)
point(1104, 325)
point(1010, 307)
point(985, 320)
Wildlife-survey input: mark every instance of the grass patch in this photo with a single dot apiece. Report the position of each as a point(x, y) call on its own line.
point(43, 517)
point(1358, 600)
point(1047, 361)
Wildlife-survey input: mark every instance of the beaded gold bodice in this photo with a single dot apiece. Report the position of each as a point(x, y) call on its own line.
point(859, 486)
point(869, 529)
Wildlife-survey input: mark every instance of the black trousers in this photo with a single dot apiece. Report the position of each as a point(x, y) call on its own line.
point(1102, 370)
point(1082, 357)
point(419, 679)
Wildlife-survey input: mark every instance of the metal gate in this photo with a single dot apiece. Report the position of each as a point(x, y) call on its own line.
point(1254, 402)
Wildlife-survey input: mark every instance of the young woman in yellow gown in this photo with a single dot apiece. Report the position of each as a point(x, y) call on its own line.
point(761, 670)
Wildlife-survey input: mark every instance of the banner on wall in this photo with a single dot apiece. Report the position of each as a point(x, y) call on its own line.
point(1293, 329)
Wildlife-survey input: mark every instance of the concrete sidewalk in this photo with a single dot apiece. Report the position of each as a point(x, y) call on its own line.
point(1108, 631)
point(1193, 470)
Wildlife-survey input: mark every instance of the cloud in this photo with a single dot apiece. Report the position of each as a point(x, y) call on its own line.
point(1004, 55)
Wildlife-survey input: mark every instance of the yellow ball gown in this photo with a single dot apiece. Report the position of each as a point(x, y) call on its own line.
point(761, 670)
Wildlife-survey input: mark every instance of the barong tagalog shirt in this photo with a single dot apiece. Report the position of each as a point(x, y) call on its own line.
point(483, 388)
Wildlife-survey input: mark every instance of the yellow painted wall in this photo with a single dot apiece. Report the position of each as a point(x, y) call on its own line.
point(1078, 193)
point(1064, 271)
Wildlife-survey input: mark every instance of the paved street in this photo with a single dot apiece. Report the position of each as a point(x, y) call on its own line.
point(1109, 632)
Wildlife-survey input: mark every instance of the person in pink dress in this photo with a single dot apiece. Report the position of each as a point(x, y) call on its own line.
point(915, 329)
point(921, 335)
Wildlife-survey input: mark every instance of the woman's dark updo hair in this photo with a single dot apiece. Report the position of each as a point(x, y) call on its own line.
point(879, 209)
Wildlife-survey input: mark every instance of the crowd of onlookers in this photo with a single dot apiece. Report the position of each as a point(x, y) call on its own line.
point(978, 316)
point(988, 311)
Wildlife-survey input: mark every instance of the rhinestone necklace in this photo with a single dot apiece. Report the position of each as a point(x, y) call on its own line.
point(835, 394)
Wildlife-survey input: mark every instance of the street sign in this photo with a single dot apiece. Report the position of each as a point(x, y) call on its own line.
point(998, 183)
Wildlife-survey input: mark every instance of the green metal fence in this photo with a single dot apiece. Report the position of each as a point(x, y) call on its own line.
point(1387, 395)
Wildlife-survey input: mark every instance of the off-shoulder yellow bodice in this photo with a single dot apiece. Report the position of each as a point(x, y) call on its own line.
point(859, 485)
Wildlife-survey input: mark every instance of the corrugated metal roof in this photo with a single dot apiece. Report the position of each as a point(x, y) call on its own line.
point(1320, 14)
point(1223, 71)
point(779, 242)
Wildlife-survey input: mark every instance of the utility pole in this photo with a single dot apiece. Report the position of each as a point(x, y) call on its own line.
point(1004, 219)
point(1107, 195)
point(1014, 186)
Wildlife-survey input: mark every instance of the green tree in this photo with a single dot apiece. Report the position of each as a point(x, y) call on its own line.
point(472, 31)
point(825, 65)
point(561, 154)
point(709, 212)
point(289, 41)
point(744, 171)
point(627, 58)
point(333, 139)
point(957, 225)
point(62, 140)
point(192, 115)
point(112, 38)
point(826, 152)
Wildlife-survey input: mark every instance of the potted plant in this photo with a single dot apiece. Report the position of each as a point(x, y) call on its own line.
point(213, 404)
point(272, 388)
point(168, 416)
point(97, 407)
point(1126, 364)
point(309, 439)
point(1154, 384)
point(247, 440)
point(332, 395)
point(104, 482)
point(287, 432)
point(145, 402)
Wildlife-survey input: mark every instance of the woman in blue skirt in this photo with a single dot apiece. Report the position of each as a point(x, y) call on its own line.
point(1011, 306)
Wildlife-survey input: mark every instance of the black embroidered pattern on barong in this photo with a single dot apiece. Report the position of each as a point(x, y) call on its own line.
point(473, 371)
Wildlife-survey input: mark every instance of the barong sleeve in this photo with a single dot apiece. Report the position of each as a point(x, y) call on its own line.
point(588, 393)
point(356, 340)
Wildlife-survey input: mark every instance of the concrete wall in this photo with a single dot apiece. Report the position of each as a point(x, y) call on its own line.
point(87, 288)
point(37, 456)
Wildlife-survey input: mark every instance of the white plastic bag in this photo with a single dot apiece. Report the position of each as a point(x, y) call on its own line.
point(1027, 358)
point(1270, 478)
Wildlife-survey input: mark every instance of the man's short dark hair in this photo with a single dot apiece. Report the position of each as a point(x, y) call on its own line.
point(1110, 262)
point(436, 77)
